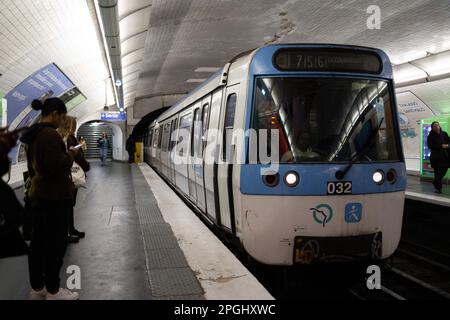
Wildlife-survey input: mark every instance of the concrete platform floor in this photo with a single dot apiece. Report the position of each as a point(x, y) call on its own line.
point(111, 258)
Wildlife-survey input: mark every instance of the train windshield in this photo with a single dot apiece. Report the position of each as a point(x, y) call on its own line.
point(323, 120)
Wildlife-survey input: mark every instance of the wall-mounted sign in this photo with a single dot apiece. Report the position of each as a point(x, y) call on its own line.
point(411, 110)
point(48, 81)
point(72, 98)
point(114, 116)
point(2, 111)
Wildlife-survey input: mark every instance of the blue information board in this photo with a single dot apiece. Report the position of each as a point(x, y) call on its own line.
point(114, 116)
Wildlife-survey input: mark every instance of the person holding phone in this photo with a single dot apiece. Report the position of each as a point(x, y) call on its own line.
point(438, 142)
point(67, 131)
point(51, 193)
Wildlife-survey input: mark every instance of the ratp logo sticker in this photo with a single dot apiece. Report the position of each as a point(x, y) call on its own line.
point(353, 212)
point(322, 214)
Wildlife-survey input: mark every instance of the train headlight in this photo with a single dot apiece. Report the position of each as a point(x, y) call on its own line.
point(291, 178)
point(271, 179)
point(378, 177)
point(391, 176)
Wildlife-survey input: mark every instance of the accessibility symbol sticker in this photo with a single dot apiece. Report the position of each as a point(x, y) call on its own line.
point(353, 212)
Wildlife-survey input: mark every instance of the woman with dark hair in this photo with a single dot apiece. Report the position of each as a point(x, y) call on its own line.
point(67, 132)
point(51, 194)
point(71, 141)
point(438, 142)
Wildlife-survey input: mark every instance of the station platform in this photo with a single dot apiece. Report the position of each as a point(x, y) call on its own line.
point(142, 243)
point(423, 191)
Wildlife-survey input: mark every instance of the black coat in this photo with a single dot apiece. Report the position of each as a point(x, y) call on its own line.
point(130, 145)
point(11, 213)
point(439, 156)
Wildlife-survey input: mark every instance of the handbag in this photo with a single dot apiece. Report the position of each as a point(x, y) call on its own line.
point(78, 176)
point(77, 173)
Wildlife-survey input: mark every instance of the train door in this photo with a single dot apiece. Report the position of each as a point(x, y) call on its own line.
point(182, 152)
point(164, 148)
point(191, 164)
point(172, 143)
point(200, 140)
point(225, 167)
point(157, 147)
point(149, 146)
point(153, 146)
point(211, 158)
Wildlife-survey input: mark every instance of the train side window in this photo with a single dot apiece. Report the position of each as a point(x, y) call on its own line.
point(228, 126)
point(163, 136)
point(205, 125)
point(160, 136)
point(172, 133)
point(169, 143)
point(195, 131)
point(166, 137)
point(155, 138)
point(184, 133)
point(150, 138)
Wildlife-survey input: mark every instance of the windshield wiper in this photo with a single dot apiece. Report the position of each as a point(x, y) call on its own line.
point(340, 174)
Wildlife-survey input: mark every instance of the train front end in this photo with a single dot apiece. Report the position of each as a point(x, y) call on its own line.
point(323, 178)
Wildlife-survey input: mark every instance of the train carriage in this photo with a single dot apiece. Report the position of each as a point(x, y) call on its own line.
point(294, 150)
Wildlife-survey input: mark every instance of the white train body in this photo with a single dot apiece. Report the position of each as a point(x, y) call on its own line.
point(339, 198)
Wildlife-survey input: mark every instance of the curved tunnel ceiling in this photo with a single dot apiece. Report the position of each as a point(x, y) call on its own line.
point(164, 42)
point(36, 33)
point(186, 35)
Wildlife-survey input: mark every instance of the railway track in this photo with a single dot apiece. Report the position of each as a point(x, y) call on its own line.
point(416, 273)
point(425, 253)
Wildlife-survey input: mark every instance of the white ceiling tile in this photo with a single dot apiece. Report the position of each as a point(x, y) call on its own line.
point(36, 33)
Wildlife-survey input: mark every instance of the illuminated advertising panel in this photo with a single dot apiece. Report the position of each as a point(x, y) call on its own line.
point(48, 81)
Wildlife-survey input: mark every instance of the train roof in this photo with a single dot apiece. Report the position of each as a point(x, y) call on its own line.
point(216, 80)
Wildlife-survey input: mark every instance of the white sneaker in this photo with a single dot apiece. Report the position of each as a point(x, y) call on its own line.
point(63, 294)
point(38, 295)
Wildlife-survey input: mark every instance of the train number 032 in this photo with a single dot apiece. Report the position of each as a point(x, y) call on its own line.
point(341, 187)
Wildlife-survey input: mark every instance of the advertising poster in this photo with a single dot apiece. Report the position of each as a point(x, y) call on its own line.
point(3, 107)
point(411, 110)
point(47, 82)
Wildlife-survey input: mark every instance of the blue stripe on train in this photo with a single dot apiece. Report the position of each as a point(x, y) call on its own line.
point(314, 178)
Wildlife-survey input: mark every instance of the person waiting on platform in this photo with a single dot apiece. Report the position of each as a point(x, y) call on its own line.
point(51, 192)
point(131, 148)
point(67, 132)
point(12, 243)
point(438, 142)
point(103, 144)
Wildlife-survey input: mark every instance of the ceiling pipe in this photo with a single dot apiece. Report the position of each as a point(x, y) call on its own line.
point(109, 12)
point(425, 65)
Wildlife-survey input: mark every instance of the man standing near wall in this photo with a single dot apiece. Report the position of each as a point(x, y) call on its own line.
point(131, 148)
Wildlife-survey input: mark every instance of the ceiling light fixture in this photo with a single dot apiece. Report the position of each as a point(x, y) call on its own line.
point(432, 67)
point(207, 69)
point(195, 80)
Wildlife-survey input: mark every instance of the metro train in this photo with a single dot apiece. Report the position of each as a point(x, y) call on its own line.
point(293, 150)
